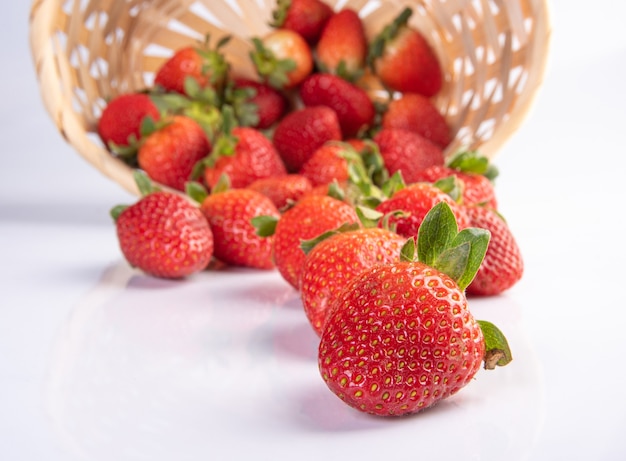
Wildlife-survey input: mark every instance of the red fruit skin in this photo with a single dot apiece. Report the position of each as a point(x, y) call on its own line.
point(284, 190)
point(122, 118)
point(477, 189)
point(254, 158)
point(310, 217)
point(169, 154)
point(271, 103)
point(416, 113)
point(235, 240)
point(353, 106)
point(407, 152)
point(410, 65)
point(342, 40)
point(333, 262)
point(172, 73)
point(326, 165)
point(302, 131)
point(399, 338)
point(308, 18)
point(164, 235)
point(503, 265)
point(415, 201)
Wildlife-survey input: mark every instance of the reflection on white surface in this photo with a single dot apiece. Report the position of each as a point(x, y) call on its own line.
point(184, 370)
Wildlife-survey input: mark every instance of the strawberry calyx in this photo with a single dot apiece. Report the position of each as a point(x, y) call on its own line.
point(224, 144)
point(471, 161)
point(452, 186)
point(309, 244)
point(239, 98)
point(214, 64)
point(265, 225)
point(440, 245)
point(270, 69)
point(279, 14)
point(377, 47)
point(497, 350)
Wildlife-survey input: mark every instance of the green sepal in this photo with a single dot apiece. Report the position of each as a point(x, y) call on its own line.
point(472, 161)
point(308, 245)
point(117, 210)
point(222, 184)
point(497, 350)
point(279, 14)
point(265, 225)
point(436, 233)
point(394, 184)
point(408, 251)
point(268, 67)
point(196, 191)
point(335, 191)
point(442, 246)
point(389, 32)
point(143, 182)
point(452, 186)
point(368, 217)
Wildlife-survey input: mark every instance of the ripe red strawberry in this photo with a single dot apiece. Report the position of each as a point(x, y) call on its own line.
point(263, 109)
point(308, 218)
point(306, 17)
point(164, 235)
point(342, 47)
point(476, 189)
point(236, 242)
point(284, 190)
point(355, 110)
point(206, 66)
point(120, 122)
point(302, 131)
point(169, 154)
point(248, 155)
point(417, 113)
point(400, 337)
point(333, 262)
point(403, 59)
point(503, 265)
point(414, 202)
point(282, 58)
point(407, 152)
point(327, 164)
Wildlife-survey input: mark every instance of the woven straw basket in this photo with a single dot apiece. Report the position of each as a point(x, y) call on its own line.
point(493, 53)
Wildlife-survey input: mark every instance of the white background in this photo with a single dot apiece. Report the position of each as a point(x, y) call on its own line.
point(97, 362)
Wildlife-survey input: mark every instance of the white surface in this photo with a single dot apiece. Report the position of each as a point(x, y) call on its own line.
point(100, 363)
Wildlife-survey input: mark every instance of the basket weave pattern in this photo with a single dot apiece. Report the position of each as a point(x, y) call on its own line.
point(493, 54)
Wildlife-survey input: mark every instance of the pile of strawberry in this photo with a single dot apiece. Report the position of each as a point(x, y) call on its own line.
point(347, 195)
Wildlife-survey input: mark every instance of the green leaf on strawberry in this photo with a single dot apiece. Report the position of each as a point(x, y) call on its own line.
point(472, 161)
point(265, 225)
point(442, 246)
point(497, 350)
point(309, 244)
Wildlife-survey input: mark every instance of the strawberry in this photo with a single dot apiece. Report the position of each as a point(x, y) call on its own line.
point(342, 47)
point(282, 58)
point(327, 164)
point(169, 154)
point(236, 242)
point(308, 218)
point(503, 265)
point(283, 190)
point(121, 120)
point(163, 234)
point(400, 337)
point(355, 110)
point(302, 131)
point(336, 260)
point(407, 152)
point(206, 66)
point(417, 113)
point(244, 155)
point(261, 108)
point(406, 209)
point(403, 59)
point(306, 17)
